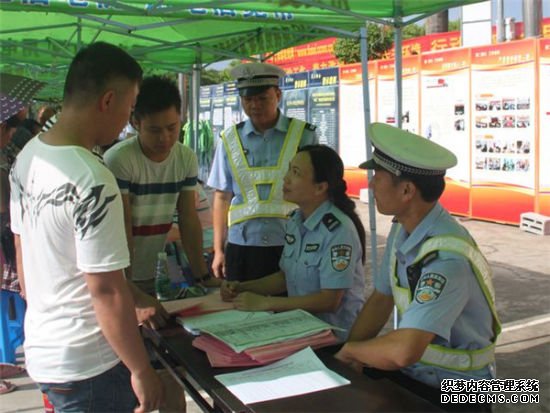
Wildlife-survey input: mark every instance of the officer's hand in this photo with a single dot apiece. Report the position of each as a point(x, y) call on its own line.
point(218, 265)
point(150, 312)
point(346, 358)
point(248, 301)
point(229, 290)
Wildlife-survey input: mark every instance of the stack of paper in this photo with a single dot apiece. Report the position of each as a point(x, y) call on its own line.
point(262, 338)
point(221, 355)
point(275, 328)
point(196, 324)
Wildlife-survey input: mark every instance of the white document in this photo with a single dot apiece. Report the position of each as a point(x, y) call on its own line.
point(300, 373)
point(226, 318)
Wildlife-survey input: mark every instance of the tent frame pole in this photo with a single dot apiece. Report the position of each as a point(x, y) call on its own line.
point(366, 116)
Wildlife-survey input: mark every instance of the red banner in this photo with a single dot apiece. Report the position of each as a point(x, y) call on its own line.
point(309, 56)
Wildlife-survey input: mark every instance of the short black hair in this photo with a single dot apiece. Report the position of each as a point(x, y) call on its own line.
point(156, 94)
point(431, 187)
point(94, 67)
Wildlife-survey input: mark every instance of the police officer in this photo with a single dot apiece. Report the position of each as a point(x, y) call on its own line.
point(432, 271)
point(322, 260)
point(247, 173)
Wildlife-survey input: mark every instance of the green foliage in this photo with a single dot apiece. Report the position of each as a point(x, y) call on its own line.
point(347, 50)
point(454, 25)
point(379, 39)
point(214, 77)
point(413, 30)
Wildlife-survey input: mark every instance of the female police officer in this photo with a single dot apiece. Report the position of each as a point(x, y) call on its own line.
point(321, 267)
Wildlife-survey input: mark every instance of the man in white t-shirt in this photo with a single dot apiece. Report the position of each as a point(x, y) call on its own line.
point(82, 342)
point(157, 175)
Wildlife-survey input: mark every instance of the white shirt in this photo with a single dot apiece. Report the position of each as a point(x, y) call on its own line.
point(67, 209)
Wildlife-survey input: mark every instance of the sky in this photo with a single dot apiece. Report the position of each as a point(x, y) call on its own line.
point(512, 8)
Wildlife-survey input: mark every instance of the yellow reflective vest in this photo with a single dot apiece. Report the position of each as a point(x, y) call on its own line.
point(437, 355)
point(249, 177)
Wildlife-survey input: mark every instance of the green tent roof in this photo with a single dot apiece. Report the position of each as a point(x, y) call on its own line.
point(38, 38)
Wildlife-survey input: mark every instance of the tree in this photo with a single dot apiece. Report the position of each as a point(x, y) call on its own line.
point(214, 77)
point(413, 30)
point(454, 26)
point(379, 39)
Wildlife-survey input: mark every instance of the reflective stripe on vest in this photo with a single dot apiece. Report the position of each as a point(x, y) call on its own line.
point(436, 355)
point(248, 178)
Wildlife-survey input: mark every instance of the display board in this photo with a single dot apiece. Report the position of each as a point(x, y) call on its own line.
point(295, 96)
point(217, 108)
point(411, 90)
point(323, 105)
point(204, 103)
point(353, 149)
point(544, 128)
point(445, 119)
point(503, 130)
point(232, 105)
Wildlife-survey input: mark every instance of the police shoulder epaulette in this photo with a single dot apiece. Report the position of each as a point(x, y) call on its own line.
point(331, 222)
point(311, 127)
point(291, 213)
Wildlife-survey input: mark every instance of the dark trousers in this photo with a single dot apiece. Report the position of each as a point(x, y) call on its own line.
point(110, 391)
point(429, 393)
point(244, 263)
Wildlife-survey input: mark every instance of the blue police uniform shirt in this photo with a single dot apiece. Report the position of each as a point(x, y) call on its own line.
point(324, 253)
point(458, 313)
point(260, 150)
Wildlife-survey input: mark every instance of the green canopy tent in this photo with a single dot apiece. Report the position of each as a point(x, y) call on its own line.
point(38, 38)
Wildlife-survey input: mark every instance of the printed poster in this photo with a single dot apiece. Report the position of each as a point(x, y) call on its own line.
point(217, 106)
point(295, 101)
point(544, 128)
point(445, 118)
point(353, 149)
point(323, 105)
point(411, 91)
point(232, 105)
point(503, 130)
point(204, 103)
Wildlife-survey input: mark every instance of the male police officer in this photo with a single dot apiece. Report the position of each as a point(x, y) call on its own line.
point(432, 271)
point(249, 165)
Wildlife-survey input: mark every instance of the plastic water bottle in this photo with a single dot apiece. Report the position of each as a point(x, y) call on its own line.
point(163, 285)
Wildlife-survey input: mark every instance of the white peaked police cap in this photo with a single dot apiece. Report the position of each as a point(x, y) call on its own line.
point(254, 78)
point(399, 151)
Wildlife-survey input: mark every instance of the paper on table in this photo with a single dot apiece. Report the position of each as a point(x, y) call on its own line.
point(300, 373)
point(206, 304)
point(273, 329)
point(228, 317)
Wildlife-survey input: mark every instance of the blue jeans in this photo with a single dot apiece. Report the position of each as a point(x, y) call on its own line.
point(110, 391)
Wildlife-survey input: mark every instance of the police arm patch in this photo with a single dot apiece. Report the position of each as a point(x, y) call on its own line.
point(340, 256)
point(429, 287)
point(331, 222)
